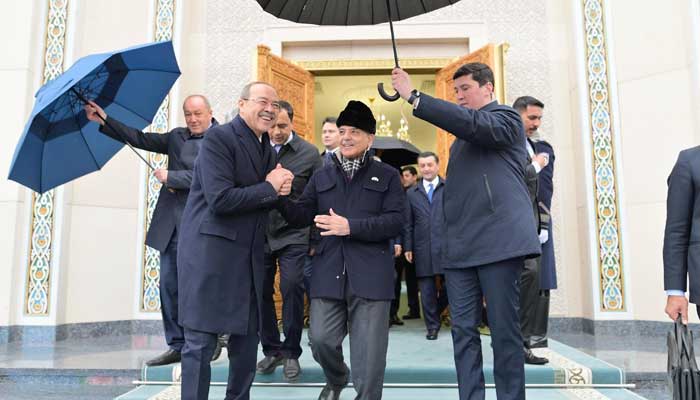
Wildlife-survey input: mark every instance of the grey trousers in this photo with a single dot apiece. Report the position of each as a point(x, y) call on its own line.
point(368, 325)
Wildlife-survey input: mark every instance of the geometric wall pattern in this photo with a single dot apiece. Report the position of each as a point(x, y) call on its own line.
point(38, 282)
point(150, 277)
point(607, 208)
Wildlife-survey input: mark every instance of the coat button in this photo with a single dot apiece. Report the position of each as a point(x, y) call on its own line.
point(337, 277)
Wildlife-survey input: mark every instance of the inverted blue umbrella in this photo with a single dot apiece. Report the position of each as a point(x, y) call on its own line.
point(60, 144)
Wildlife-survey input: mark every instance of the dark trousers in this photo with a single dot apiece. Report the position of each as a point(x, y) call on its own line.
point(408, 270)
point(242, 353)
point(368, 325)
point(434, 301)
point(174, 334)
point(499, 283)
point(529, 297)
point(291, 259)
point(538, 336)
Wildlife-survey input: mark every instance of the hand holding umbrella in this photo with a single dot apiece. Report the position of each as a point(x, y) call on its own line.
point(401, 83)
point(95, 113)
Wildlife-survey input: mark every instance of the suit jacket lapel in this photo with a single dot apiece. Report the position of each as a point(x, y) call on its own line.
point(268, 155)
point(250, 143)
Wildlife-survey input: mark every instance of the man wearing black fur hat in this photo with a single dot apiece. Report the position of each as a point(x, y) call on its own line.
point(358, 205)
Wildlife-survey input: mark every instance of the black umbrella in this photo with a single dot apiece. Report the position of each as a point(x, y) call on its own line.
point(395, 152)
point(353, 12)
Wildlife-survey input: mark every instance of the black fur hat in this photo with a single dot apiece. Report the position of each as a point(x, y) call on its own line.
point(357, 114)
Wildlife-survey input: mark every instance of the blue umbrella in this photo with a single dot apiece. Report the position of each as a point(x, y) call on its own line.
point(60, 144)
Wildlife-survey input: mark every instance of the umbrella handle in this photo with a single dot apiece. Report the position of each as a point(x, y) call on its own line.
point(386, 96)
point(85, 101)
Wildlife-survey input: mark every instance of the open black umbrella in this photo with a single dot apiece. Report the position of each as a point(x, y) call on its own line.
point(353, 12)
point(395, 152)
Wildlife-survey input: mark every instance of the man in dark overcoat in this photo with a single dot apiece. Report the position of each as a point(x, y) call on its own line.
point(424, 238)
point(181, 145)
point(489, 225)
point(358, 205)
point(221, 248)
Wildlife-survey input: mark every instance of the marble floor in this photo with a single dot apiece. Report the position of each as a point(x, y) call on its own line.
point(104, 367)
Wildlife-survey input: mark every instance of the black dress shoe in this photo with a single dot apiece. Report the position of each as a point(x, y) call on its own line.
point(330, 392)
point(169, 357)
point(291, 369)
point(268, 364)
point(432, 334)
point(411, 316)
point(531, 358)
point(394, 320)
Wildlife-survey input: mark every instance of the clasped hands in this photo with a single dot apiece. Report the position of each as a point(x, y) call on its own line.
point(281, 180)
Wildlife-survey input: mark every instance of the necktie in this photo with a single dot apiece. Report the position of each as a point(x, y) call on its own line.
point(328, 155)
point(431, 190)
point(277, 148)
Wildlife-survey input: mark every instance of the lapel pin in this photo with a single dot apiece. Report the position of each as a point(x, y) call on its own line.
point(374, 178)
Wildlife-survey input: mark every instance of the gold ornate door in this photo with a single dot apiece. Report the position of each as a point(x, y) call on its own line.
point(491, 55)
point(294, 85)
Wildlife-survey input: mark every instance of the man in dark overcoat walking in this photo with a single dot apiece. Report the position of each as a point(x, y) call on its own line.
point(358, 205)
point(220, 253)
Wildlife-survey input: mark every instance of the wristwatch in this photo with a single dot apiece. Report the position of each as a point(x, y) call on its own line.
point(414, 95)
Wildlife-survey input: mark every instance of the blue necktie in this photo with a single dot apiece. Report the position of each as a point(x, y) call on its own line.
point(431, 190)
point(277, 148)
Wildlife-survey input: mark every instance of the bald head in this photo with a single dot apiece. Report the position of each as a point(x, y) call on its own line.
point(198, 113)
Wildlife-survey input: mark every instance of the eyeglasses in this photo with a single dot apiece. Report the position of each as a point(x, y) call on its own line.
point(264, 103)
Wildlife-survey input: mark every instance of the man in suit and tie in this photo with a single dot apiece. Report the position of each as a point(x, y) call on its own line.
point(221, 250)
point(330, 137)
point(489, 226)
point(181, 145)
point(288, 247)
point(358, 205)
point(539, 276)
point(405, 268)
point(682, 235)
point(425, 227)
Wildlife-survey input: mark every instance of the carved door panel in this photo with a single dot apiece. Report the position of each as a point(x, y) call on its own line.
point(294, 84)
point(490, 55)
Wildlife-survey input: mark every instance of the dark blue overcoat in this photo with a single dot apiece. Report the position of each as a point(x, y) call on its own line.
point(373, 202)
point(488, 213)
point(222, 236)
point(425, 229)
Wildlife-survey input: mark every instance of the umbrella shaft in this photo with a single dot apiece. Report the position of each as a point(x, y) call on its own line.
point(393, 40)
point(85, 101)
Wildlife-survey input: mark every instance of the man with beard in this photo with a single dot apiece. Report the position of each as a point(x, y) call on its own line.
point(539, 275)
point(221, 248)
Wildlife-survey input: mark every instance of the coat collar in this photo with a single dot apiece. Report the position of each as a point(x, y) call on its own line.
point(490, 106)
point(258, 150)
point(418, 187)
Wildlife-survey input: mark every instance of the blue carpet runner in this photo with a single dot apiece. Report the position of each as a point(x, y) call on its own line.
point(413, 359)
